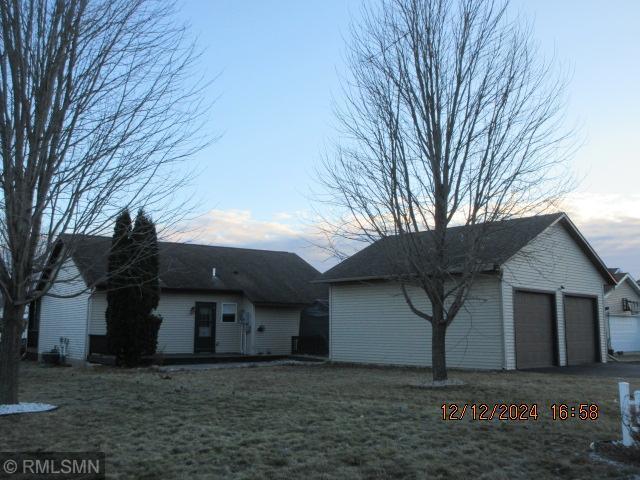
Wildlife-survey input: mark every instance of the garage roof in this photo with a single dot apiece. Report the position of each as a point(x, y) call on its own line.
point(503, 240)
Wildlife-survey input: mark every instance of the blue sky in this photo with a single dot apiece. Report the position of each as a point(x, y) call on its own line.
point(279, 64)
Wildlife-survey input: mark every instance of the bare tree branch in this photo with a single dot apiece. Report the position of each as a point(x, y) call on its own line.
point(98, 110)
point(450, 119)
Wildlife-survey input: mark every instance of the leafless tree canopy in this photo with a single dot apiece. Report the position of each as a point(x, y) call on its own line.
point(94, 108)
point(450, 119)
point(97, 105)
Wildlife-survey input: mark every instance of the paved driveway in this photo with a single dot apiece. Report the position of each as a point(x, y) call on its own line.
point(610, 369)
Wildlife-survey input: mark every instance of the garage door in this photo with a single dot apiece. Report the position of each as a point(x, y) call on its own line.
point(534, 323)
point(625, 333)
point(581, 328)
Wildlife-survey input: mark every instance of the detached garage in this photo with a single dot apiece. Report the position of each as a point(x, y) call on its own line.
point(539, 303)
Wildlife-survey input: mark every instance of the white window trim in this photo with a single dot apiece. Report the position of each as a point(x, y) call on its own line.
point(235, 313)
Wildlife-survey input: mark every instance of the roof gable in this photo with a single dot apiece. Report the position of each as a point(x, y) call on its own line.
point(587, 249)
point(264, 276)
point(623, 278)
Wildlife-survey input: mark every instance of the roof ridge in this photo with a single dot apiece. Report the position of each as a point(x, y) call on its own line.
point(494, 222)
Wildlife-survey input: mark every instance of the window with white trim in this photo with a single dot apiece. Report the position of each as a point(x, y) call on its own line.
point(229, 312)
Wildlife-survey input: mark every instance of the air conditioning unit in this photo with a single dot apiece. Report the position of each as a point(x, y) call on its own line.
point(630, 306)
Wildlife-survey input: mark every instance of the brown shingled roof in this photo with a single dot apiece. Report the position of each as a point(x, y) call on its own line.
point(501, 241)
point(265, 276)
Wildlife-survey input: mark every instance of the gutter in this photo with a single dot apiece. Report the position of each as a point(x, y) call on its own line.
point(353, 279)
point(281, 305)
point(488, 270)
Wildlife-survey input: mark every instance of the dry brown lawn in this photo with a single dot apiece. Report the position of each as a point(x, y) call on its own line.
point(311, 422)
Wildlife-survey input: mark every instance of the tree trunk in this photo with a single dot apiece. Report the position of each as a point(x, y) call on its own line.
point(438, 352)
point(10, 353)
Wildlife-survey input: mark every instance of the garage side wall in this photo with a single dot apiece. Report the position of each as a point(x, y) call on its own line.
point(278, 326)
point(178, 322)
point(550, 262)
point(371, 323)
point(65, 317)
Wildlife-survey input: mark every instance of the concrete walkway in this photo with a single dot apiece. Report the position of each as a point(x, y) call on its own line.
point(611, 369)
point(217, 366)
point(628, 357)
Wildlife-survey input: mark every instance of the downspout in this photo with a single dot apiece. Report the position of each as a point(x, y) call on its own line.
point(85, 354)
point(240, 323)
point(243, 329)
point(502, 335)
point(252, 326)
point(607, 327)
point(247, 325)
point(330, 322)
point(608, 323)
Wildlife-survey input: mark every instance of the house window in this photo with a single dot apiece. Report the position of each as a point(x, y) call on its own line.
point(229, 312)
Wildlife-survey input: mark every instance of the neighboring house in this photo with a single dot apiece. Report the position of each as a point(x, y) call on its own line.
point(212, 300)
point(539, 302)
point(622, 303)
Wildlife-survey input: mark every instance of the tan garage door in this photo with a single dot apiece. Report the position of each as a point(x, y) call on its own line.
point(581, 327)
point(535, 333)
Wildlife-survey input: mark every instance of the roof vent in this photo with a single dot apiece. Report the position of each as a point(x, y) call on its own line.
point(213, 272)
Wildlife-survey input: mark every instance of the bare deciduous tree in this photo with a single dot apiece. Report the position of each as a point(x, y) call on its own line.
point(96, 108)
point(449, 119)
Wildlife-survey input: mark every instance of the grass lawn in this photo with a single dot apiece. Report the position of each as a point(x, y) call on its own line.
point(318, 421)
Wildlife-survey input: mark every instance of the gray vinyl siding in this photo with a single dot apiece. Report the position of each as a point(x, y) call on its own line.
point(553, 263)
point(372, 323)
point(280, 324)
point(97, 308)
point(65, 317)
point(177, 329)
point(613, 299)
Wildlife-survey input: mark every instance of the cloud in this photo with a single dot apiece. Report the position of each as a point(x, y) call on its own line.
point(286, 231)
point(611, 223)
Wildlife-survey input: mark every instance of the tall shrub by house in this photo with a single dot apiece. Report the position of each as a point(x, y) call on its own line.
point(147, 286)
point(133, 290)
point(119, 292)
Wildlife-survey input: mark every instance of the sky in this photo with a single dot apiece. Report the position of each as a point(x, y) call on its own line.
point(277, 67)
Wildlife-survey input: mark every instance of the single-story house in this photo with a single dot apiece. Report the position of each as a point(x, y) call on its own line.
point(622, 304)
point(213, 300)
point(539, 302)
